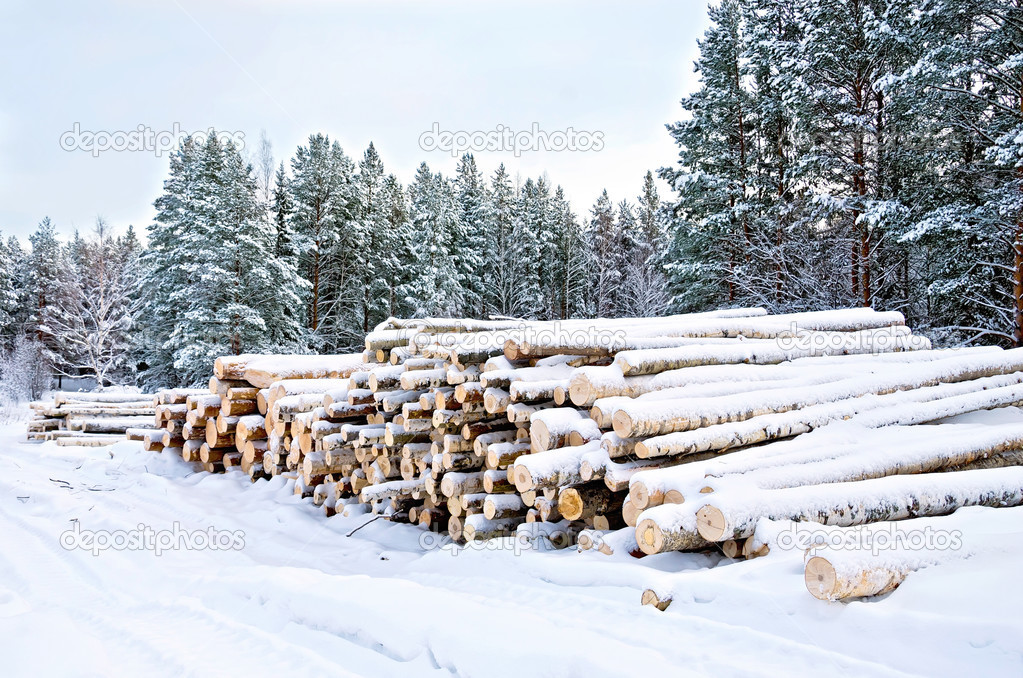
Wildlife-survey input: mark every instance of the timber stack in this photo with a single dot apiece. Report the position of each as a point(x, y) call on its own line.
point(89, 419)
point(640, 435)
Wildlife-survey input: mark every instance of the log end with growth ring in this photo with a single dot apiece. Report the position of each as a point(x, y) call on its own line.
point(622, 424)
point(711, 523)
point(570, 503)
point(820, 578)
point(649, 537)
point(641, 497)
point(674, 497)
point(642, 451)
point(523, 479)
point(579, 393)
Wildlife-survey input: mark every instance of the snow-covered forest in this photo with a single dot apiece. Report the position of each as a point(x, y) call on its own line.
point(859, 152)
point(866, 153)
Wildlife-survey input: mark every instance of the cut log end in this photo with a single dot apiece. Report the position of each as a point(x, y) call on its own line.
point(711, 523)
point(523, 479)
point(622, 424)
point(649, 537)
point(820, 578)
point(570, 503)
point(650, 597)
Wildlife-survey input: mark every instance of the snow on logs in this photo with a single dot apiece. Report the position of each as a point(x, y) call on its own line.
point(478, 427)
point(92, 417)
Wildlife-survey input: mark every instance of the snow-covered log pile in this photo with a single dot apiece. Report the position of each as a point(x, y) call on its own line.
point(89, 419)
point(257, 411)
point(642, 434)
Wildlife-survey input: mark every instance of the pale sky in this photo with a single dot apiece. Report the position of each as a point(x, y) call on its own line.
point(360, 71)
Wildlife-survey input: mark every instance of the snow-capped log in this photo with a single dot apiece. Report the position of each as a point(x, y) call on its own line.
point(551, 428)
point(286, 408)
point(878, 456)
point(390, 490)
point(495, 481)
point(342, 410)
point(734, 515)
point(105, 397)
point(549, 371)
point(176, 396)
point(139, 434)
point(420, 379)
point(290, 387)
point(242, 393)
point(551, 468)
point(653, 361)
point(590, 383)
point(251, 427)
point(522, 391)
point(385, 378)
point(647, 418)
point(898, 408)
point(393, 338)
point(237, 408)
point(496, 400)
point(501, 454)
point(453, 484)
point(107, 424)
point(167, 412)
point(263, 370)
point(669, 527)
point(94, 440)
point(205, 405)
point(478, 527)
point(470, 392)
point(496, 506)
point(618, 476)
point(152, 440)
point(605, 337)
point(875, 559)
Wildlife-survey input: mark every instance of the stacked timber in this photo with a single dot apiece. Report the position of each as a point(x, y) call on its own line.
point(89, 419)
point(639, 435)
point(253, 415)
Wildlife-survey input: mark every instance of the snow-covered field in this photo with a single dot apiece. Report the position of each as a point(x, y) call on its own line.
point(302, 597)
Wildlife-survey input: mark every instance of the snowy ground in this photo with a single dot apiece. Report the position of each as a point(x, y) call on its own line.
point(302, 596)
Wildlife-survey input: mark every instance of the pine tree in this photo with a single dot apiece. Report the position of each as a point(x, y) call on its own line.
point(43, 271)
point(8, 297)
point(435, 289)
point(503, 285)
point(327, 240)
point(605, 241)
point(571, 263)
point(281, 209)
point(376, 236)
point(478, 239)
point(710, 219)
point(398, 235)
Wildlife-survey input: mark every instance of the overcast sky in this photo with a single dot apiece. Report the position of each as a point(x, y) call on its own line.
point(376, 70)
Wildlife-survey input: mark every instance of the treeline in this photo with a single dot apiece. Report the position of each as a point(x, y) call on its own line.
point(310, 255)
point(856, 152)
